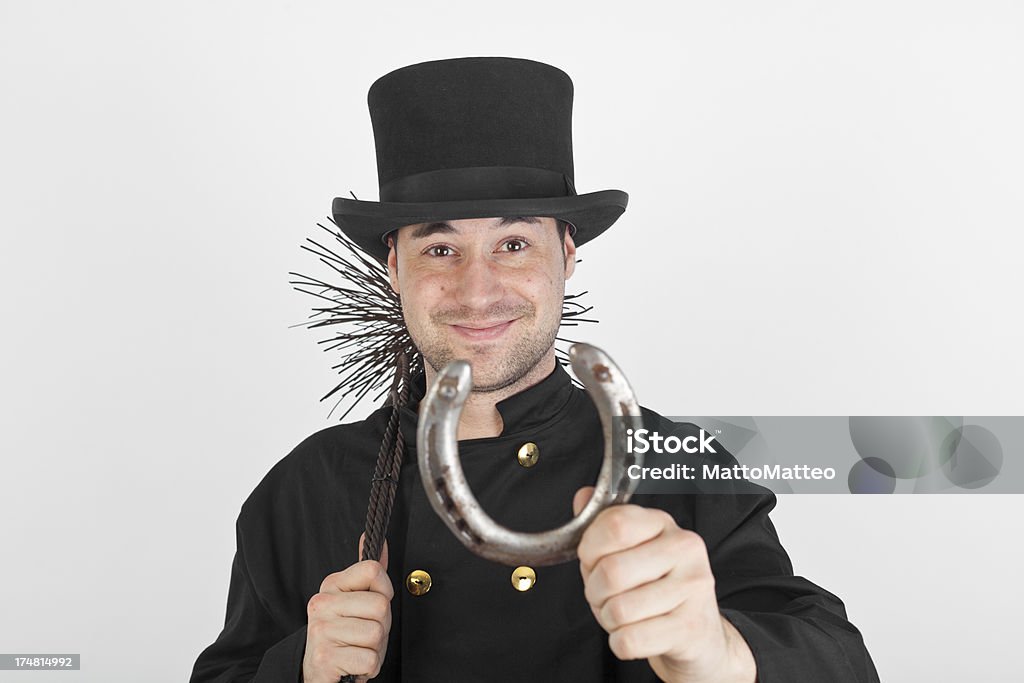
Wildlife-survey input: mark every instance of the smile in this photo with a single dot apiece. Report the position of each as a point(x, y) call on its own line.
point(483, 332)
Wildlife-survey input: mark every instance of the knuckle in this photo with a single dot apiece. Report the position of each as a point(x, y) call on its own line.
point(617, 524)
point(329, 581)
point(628, 645)
point(583, 553)
point(621, 644)
point(375, 631)
point(616, 612)
point(666, 518)
point(613, 645)
point(316, 604)
point(354, 573)
point(381, 609)
point(322, 655)
point(317, 630)
point(365, 660)
point(373, 568)
point(690, 541)
point(612, 571)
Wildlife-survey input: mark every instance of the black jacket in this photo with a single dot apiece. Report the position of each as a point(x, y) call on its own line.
point(303, 522)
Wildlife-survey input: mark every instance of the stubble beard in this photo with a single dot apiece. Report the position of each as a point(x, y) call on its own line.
point(494, 367)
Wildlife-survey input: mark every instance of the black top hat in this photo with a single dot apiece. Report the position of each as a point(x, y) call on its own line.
point(475, 137)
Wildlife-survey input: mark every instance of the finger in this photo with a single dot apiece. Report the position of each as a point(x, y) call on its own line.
point(644, 639)
point(381, 583)
point(675, 552)
point(650, 600)
point(360, 576)
point(580, 499)
point(383, 551)
point(352, 631)
point(361, 604)
point(356, 661)
point(368, 575)
point(683, 631)
point(618, 528)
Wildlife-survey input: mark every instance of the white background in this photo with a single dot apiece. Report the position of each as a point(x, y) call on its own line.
point(825, 216)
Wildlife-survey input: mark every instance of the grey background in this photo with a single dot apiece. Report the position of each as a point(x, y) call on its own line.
point(824, 219)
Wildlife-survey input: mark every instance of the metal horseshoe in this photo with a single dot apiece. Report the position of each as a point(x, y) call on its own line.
point(449, 493)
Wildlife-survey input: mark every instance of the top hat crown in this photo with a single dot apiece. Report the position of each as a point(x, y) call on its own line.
point(473, 137)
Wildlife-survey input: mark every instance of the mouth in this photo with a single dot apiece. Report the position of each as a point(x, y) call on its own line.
point(483, 331)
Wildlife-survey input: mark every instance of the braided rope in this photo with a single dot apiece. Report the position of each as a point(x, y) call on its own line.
point(384, 484)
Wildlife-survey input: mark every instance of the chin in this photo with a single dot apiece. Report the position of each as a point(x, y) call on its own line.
point(493, 369)
point(492, 381)
point(495, 364)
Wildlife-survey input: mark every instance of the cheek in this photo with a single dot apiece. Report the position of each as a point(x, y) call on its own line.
point(424, 293)
point(543, 288)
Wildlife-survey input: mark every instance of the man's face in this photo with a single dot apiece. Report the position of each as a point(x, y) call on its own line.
point(485, 290)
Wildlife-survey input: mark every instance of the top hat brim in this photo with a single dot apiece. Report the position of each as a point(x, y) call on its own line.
point(367, 223)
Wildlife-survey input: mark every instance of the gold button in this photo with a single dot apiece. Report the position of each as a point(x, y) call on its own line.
point(523, 578)
point(528, 454)
point(418, 582)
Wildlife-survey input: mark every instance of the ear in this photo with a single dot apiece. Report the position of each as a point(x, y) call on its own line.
point(570, 255)
point(393, 264)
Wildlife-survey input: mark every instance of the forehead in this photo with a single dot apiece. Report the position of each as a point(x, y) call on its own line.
point(473, 225)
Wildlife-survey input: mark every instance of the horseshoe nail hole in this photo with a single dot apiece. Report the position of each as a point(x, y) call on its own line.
point(464, 529)
point(448, 388)
point(442, 491)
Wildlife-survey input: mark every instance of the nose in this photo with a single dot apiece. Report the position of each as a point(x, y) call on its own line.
point(478, 285)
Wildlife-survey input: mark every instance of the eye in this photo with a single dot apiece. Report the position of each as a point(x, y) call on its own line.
point(514, 244)
point(439, 250)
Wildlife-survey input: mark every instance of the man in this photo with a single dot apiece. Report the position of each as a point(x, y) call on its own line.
point(479, 224)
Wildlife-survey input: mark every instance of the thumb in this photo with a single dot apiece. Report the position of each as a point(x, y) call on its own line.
point(579, 501)
point(383, 553)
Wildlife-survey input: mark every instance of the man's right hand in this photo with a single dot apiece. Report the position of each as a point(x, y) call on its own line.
point(348, 622)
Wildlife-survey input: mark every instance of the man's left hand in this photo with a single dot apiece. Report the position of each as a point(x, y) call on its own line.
point(650, 586)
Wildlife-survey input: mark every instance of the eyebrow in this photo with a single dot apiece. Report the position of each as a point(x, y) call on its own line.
point(428, 229)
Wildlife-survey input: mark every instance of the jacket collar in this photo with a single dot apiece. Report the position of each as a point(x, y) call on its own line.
point(520, 413)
